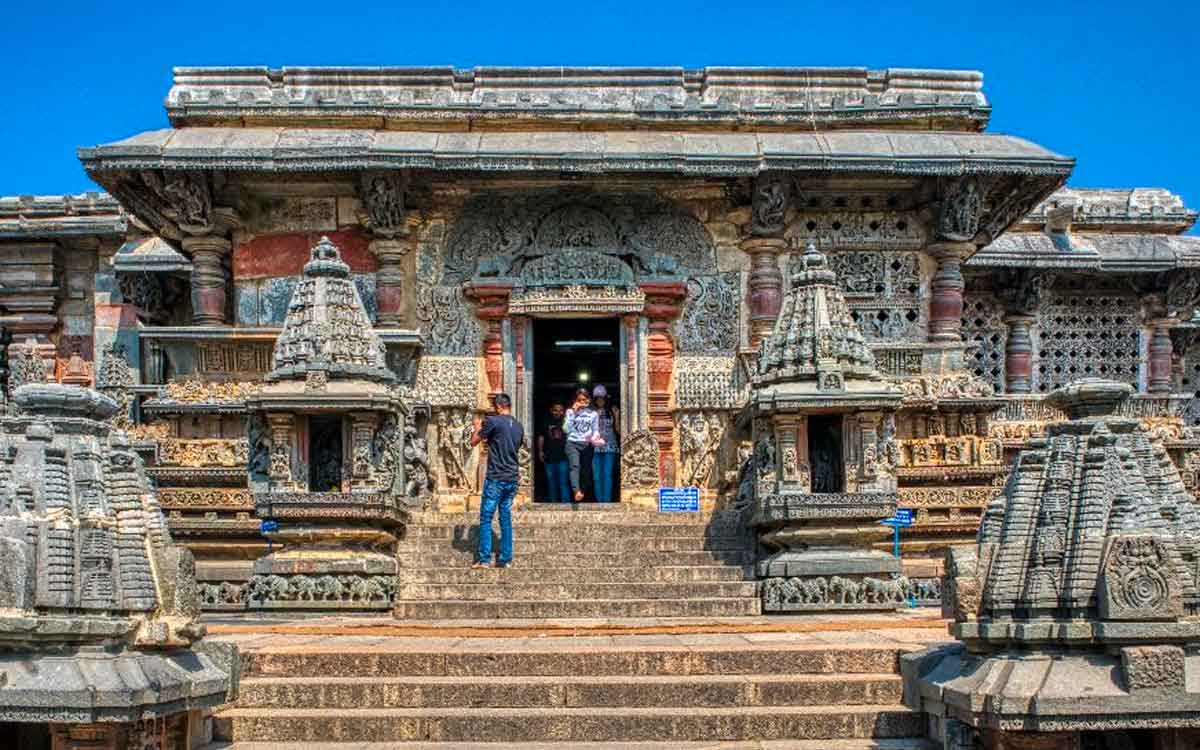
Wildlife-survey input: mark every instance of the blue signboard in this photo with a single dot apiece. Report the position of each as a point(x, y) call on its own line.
point(678, 499)
point(266, 527)
point(902, 517)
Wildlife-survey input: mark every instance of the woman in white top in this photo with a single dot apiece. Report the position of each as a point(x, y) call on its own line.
point(581, 426)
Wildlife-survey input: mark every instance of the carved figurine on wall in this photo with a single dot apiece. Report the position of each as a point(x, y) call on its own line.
point(417, 484)
point(259, 442)
point(453, 449)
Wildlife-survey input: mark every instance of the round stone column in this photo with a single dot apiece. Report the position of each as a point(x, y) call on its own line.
point(765, 285)
point(946, 304)
point(389, 279)
point(1161, 351)
point(1018, 355)
point(209, 278)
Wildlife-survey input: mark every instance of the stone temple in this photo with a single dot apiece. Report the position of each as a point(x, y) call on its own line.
point(818, 296)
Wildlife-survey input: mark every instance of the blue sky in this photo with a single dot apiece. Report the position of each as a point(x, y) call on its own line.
point(1112, 84)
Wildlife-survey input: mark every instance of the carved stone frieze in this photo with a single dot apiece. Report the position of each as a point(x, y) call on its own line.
point(172, 202)
point(447, 381)
point(382, 196)
point(497, 234)
point(876, 230)
point(191, 498)
point(937, 387)
point(194, 390)
point(639, 460)
point(362, 591)
point(241, 358)
point(711, 314)
point(822, 593)
point(447, 321)
point(204, 452)
point(573, 267)
point(611, 300)
point(708, 382)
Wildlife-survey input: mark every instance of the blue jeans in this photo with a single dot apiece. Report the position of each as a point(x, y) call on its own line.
point(496, 495)
point(556, 478)
point(604, 466)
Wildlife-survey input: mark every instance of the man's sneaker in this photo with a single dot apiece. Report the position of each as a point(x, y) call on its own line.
point(480, 565)
point(505, 565)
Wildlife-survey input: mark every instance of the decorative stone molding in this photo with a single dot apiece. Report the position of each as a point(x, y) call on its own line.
point(204, 452)
point(607, 300)
point(196, 498)
point(447, 381)
point(194, 390)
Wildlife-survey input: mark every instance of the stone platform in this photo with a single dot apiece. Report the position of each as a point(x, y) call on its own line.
point(368, 683)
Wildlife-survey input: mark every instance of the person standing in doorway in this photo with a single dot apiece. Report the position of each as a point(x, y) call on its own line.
point(608, 448)
point(504, 436)
point(552, 451)
point(582, 435)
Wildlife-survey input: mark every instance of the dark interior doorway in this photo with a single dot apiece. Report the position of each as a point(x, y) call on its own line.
point(825, 454)
point(571, 353)
point(324, 454)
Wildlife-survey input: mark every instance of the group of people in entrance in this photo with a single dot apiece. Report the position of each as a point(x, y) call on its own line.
point(580, 447)
point(586, 436)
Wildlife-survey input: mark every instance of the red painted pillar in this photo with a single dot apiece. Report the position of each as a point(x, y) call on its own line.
point(946, 304)
point(493, 307)
point(1161, 351)
point(663, 302)
point(765, 284)
point(1018, 355)
point(389, 279)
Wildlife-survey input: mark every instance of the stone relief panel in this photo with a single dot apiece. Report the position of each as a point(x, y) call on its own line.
point(820, 592)
point(448, 321)
point(454, 455)
point(701, 436)
point(708, 382)
point(497, 234)
point(710, 319)
point(882, 290)
point(1086, 335)
point(447, 381)
point(983, 326)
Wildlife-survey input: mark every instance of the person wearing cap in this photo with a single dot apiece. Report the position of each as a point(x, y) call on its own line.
point(606, 451)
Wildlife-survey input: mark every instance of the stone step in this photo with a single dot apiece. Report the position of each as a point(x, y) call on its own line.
point(523, 574)
point(580, 725)
point(558, 609)
point(607, 542)
point(449, 557)
point(575, 592)
point(566, 659)
point(907, 743)
point(573, 530)
point(567, 514)
point(570, 692)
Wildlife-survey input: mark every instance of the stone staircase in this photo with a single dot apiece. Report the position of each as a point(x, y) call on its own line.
point(555, 693)
point(581, 561)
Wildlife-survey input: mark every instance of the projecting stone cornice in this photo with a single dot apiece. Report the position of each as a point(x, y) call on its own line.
point(32, 217)
point(629, 97)
point(269, 149)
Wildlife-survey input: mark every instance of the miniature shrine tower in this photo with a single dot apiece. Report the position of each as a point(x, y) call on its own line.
point(335, 427)
point(820, 414)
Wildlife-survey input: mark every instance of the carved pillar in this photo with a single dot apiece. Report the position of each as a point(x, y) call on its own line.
point(492, 302)
point(791, 434)
point(1161, 350)
point(765, 284)
point(946, 303)
point(389, 280)
point(210, 273)
point(1018, 354)
point(282, 431)
point(362, 433)
point(631, 407)
point(663, 302)
point(868, 433)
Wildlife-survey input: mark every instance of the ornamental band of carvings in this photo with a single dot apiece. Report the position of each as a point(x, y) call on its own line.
point(709, 321)
point(447, 321)
point(639, 460)
point(298, 590)
point(819, 592)
point(447, 381)
point(876, 230)
point(610, 300)
point(496, 234)
point(194, 390)
point(707, 382)
point(205, 452)
point(206, 497)
point(574, 266)
point(222, 358)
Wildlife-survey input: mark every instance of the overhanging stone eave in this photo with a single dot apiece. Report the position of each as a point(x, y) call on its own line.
point(732, 154)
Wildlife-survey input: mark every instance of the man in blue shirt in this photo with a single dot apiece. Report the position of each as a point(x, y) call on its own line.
point(504, 436)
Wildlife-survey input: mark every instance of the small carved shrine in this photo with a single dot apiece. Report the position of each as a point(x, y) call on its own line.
point(821, 418)
point(98, 604)
point(1077, 608)
point(327, 472)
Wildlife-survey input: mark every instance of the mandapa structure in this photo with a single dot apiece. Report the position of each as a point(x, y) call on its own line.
point(822, 426)
point(98, 606)
point(1078, 611)
point(328, 476)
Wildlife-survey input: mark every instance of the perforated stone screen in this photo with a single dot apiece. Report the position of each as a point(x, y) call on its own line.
point(983, 325)
point(1086, 335)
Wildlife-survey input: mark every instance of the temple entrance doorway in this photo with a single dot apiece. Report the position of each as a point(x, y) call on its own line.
point(325, 454)
point(572, 353)
point(825, 453)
